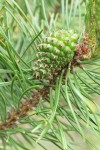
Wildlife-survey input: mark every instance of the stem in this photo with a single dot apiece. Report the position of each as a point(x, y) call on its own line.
point(24, 108)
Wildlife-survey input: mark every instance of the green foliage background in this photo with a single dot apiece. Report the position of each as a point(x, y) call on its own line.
point(72, 106)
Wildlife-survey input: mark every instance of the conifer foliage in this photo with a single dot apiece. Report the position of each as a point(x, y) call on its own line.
point(49, 74)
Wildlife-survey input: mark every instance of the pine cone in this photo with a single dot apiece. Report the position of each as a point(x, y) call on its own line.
point(56, 51)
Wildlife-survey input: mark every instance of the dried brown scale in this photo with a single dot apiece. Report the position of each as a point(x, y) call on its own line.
point(82, 51)
point(24, 108)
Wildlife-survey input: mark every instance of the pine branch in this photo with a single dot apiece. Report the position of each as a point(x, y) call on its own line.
point(70, 105)
point(24, 108)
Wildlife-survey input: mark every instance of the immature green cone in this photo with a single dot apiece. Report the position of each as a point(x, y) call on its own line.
point(55, 52)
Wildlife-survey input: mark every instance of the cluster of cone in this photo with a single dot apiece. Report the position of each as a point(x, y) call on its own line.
point(55, 51)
